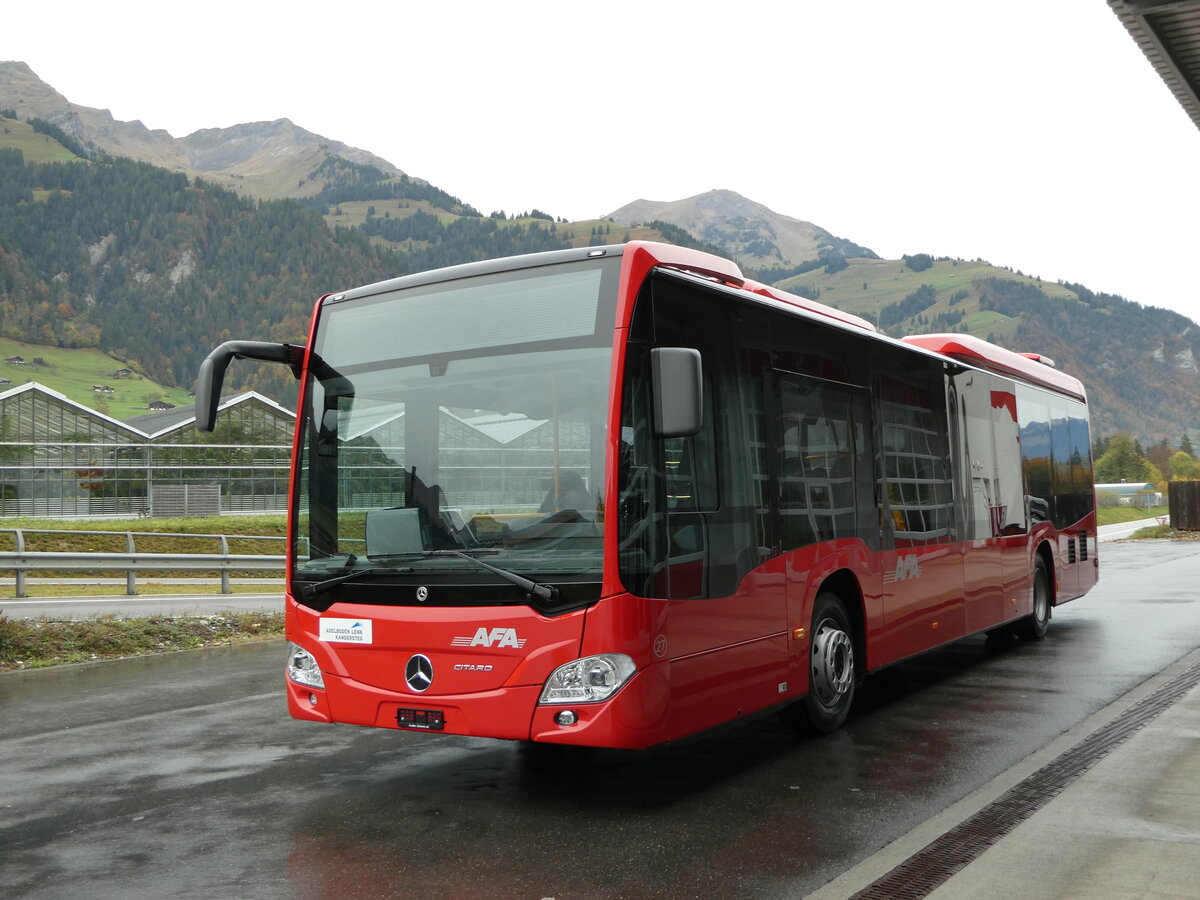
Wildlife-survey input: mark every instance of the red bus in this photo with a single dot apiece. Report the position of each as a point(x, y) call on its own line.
point(615, 496)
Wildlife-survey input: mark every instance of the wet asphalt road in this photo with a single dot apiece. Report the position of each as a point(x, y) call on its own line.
point(182, 776)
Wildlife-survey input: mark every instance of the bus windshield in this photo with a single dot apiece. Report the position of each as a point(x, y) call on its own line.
point(457, 423)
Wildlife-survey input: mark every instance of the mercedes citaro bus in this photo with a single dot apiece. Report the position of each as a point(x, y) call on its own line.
point(613, 496)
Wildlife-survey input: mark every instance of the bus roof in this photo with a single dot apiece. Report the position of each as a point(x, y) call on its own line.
point(1033, 368)
point(973, 351)
point(963, 348)
point(721, 270)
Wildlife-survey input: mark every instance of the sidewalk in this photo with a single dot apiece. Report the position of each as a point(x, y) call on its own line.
point(1127, 827)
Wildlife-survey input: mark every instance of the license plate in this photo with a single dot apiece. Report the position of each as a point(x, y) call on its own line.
point(421, 719)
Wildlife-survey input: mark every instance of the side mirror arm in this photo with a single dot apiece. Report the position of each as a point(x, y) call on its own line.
point(212, 372)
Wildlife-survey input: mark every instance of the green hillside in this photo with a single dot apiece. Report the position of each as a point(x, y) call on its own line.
point(74, 373)
point(37, 147)
point(1139, 363)
point(879, 290)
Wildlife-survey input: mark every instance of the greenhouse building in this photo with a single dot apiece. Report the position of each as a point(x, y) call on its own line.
point(61, 459)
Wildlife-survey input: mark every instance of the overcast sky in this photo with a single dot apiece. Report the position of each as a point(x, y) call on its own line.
point(1032, 133)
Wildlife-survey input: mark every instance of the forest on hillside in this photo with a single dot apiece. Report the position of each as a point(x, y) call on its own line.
point(1138, 362)
point(156, 270)
point(140, 263)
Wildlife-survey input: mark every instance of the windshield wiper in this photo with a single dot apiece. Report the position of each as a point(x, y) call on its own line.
point(546, 592)
point(316, 589)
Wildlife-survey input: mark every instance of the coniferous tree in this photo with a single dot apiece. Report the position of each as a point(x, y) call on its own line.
point(1160, 455)
point(1122, 461)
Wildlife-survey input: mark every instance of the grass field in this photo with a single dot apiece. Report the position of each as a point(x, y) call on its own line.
point(890, 280)
point(36, 643)
point(31, 644)
point(168, 536)
point(1114, 515)
point(173, 535)
point(37, 148)
point(74, 372)
point(867, 286)
point(70, 586)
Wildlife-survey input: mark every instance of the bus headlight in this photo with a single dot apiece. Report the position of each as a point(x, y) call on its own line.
point(588, 680)
point(302, 668)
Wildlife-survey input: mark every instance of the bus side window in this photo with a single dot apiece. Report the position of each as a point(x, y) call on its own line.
point(817, 453)
point(915, 453)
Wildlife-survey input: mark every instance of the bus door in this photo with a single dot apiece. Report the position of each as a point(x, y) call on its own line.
point(921, 560)
point(824, 508)
point(725, 641)
point(978, 499)
point(1012, 513)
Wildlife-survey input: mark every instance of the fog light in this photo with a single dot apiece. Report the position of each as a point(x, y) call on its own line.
point(312, 699)
point(566, 717)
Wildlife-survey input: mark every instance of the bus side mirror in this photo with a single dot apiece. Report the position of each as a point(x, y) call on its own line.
point(678, 391)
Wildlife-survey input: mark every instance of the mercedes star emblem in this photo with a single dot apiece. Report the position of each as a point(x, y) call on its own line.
point(419, 673)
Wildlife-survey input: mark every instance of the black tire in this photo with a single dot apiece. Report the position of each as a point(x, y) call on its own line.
point(831, 669)
point(1033, 626)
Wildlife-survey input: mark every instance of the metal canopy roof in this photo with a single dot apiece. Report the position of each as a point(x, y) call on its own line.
point(1168, 31)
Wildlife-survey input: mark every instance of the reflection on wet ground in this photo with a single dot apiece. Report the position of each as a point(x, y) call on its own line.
point(182, 775)
point(751, 808)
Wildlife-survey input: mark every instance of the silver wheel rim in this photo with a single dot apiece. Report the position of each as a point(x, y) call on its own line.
point(832, 663)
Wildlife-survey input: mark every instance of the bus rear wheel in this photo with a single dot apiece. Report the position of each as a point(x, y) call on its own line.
point(831, 671)
point(1035, 624)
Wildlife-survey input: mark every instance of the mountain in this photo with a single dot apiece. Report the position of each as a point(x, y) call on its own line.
point(146, 262)
point(755, 235)
point(1141, 364)
point(267, 160)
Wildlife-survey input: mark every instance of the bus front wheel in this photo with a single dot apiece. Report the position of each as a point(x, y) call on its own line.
point(831, 673)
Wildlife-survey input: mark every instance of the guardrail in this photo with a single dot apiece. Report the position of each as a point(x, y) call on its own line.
point(131, 562)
